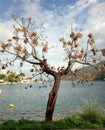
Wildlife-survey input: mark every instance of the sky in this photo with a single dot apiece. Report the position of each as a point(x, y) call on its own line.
point(56, 16)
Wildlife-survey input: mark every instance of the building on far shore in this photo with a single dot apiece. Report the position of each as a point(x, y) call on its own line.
point(3, 71)
point(26, 79)
point(1, 81)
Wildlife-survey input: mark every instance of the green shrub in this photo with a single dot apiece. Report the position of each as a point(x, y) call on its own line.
point(10, 122)
point(24, 121)
point(73, 122)
point(103, 121)
point(47, 126)
point(25, 124)
point(9, 125)
point(61, 124)
point(76, 122)
point(91, 115)
point(29, 127)
point(2, 76)
point(3, 127)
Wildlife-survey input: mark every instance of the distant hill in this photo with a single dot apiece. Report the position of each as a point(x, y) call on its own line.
point(99, 73)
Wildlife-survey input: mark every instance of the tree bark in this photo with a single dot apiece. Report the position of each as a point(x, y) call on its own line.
point(52, 98)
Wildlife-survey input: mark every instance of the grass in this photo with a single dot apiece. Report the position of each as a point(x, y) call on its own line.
point(84, 121)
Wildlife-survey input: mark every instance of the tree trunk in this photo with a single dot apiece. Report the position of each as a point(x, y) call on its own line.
point(52, 98)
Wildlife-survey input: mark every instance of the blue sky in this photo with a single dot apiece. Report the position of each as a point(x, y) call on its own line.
point(57, 16)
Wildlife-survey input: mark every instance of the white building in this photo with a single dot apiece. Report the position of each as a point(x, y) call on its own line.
point(3, 71)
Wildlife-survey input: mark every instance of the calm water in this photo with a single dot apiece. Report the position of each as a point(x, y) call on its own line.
point(31, 103)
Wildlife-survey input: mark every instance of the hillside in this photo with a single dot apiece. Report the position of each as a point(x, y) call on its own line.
point(99, 74)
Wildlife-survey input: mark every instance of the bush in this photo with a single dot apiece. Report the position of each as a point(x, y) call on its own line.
point(103, 121)
point(2, 76)
point(61, 124)
point(91, 115)
point(47, 126)
point(73, 122)
point(9, 125)
point(28, 125)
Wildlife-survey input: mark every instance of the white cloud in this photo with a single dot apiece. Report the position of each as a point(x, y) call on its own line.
point(96, 23)
point(31, 8)
point(6, 30)
point(92, 1)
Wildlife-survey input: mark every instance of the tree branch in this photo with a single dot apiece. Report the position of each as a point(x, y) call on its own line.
point(83, 63)
point(21, 57)
point(47, 69)
point(66, 71)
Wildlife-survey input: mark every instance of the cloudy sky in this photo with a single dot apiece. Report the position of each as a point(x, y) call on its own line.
point(57, 16)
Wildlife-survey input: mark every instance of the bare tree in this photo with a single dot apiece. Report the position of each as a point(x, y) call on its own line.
point(27, 45)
